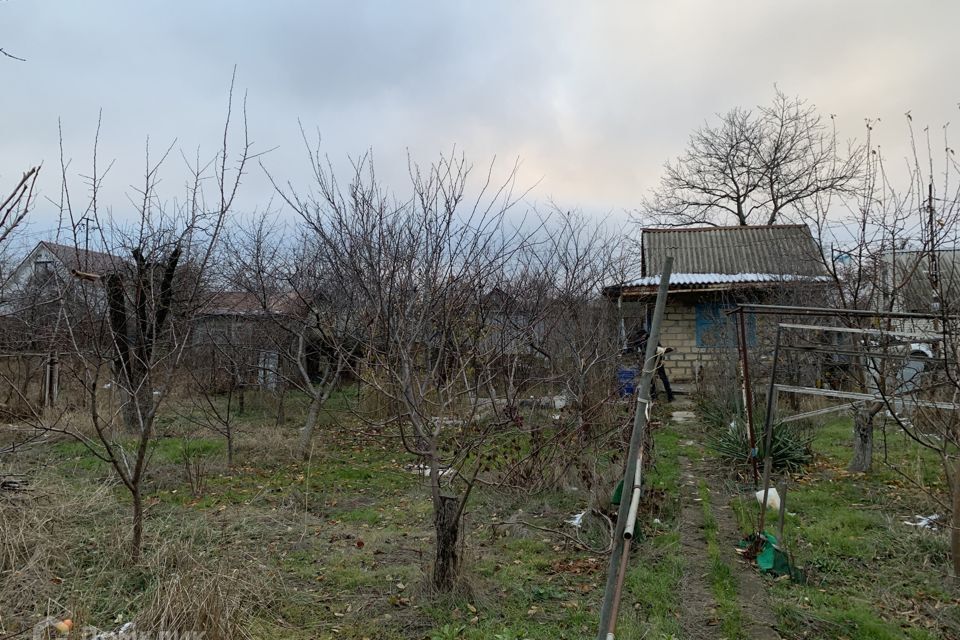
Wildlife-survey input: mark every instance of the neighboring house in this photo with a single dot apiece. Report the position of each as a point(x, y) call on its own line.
point(49, 259)
point(925, 283)
point(241, 341)
point(714, 268)
point(236, 337)
point(34, 292)
point(33, 336)
point(922, 282)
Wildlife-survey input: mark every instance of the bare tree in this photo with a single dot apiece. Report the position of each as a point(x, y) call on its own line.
point(567, 344)
point(133, 327)
point(895, 255)
point(14, 208)
point(420, 274)
point(13, 211)
point(878, 223)
point(302, 321)
point(753, 167)
point(920, 389)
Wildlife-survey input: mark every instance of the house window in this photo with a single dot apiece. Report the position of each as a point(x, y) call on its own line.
point(715, 329)
point(43, 268)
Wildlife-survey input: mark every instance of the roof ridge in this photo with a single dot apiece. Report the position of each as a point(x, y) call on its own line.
point(798, 225)
point(75, 248)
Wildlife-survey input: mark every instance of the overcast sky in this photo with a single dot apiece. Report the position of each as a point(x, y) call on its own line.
point(591, 96)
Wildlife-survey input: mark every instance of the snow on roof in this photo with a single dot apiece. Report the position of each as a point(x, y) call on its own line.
point(681, 279)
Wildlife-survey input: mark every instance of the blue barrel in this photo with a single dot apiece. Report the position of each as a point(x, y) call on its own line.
point(627, 381)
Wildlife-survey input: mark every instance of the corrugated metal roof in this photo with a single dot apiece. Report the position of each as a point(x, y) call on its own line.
point(911, 278)
point(768, 250)
point(695, 279)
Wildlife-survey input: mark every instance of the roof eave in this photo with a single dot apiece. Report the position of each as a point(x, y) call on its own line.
point(650, 290)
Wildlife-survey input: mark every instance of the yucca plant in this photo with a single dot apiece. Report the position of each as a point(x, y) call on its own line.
point(790, 445)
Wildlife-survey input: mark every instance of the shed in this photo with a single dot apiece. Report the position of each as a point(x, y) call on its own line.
point(715, 268)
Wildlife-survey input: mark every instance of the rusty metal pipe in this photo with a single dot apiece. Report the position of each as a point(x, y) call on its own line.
point(611, 591)
point(747, 391)
point(618, 593)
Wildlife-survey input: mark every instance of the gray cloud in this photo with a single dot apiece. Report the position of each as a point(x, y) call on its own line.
point(592, 96)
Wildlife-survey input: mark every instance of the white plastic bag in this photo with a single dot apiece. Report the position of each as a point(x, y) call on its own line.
point(773, 499)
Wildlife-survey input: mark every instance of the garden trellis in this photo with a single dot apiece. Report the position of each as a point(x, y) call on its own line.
point(904, 364)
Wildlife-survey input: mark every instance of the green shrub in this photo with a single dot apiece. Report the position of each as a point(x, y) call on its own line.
point(790, 448)
point(714, 412)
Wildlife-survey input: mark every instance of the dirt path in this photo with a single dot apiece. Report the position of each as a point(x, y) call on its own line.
point(699, 608)
point(701, 618)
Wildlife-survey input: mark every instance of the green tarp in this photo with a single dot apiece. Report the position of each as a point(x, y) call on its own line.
point(771, 559)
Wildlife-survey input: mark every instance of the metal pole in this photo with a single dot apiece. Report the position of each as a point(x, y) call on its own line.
point(628, 540)
point(783, 510)
point(768, 429)
point(639, 425)
point(747, 391)
point(777, 309)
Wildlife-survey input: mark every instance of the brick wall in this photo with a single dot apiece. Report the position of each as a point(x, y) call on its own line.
point(679, 331)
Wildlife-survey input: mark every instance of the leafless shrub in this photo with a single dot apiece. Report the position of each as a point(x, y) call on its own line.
point(194, 468)
point(303, 327)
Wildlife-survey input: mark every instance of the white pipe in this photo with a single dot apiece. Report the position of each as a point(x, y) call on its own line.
point(634, 502)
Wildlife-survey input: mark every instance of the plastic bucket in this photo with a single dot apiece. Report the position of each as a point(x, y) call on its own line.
point(626, 381)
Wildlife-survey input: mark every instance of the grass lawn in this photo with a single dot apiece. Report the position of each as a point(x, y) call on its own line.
point(871, 577)
point(336, 547)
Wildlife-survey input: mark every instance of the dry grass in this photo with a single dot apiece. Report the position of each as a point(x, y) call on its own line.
point(64, 552)
point(212, 604)
point(33, 554)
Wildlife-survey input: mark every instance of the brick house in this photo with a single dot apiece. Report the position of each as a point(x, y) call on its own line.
point(714, 268)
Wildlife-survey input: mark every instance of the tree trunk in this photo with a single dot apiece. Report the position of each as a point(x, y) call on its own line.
point(446, 523)
point(306, 435)
point(229, 430)
point(955, 530)
point(128, 409)
point(136, 543)
point(281, 396)
point(863, 439)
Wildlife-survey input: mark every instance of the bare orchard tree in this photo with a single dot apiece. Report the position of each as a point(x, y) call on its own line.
point(878, 224)
point(134, 324)
point(572, 346)
point(896, 254)
point(213, 405)
point(420, 273)
point(302, 319)
point(753, 167)
point(13, 211)
point(920, 389)
point(14, 207)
